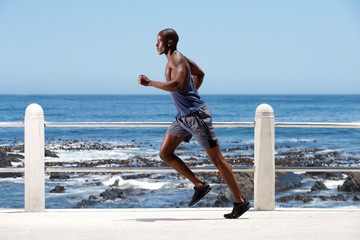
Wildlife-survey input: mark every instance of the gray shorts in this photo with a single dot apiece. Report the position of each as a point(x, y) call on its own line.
point(197, 124)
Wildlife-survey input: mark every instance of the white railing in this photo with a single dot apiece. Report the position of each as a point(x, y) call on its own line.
point(264, 154)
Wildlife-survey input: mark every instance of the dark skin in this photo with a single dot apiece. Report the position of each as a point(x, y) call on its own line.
point(178, 70)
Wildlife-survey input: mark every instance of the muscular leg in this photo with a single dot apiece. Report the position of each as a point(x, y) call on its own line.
point(167, 150)
point(226, 172)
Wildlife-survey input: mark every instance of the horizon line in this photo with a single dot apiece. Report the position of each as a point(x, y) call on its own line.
point(164, 94)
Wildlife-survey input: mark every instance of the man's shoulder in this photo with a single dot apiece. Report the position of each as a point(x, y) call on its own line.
point(178, 58)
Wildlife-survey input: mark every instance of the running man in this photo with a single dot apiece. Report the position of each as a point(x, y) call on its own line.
point(184, 78)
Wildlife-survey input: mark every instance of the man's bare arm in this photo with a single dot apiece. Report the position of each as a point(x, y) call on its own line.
point(198, 74)
point(167, 86)
point(176, 82)
point(170, 86)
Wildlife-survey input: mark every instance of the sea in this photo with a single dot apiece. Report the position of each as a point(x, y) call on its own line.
point(131, 144)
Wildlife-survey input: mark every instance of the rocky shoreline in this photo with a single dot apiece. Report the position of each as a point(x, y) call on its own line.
point(348, 191)
point(286, 156)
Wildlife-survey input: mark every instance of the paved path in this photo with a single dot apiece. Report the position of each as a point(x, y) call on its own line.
point(186, 223)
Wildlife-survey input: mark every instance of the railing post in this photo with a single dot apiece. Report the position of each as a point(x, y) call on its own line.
point(264, 158)
point(34, 159)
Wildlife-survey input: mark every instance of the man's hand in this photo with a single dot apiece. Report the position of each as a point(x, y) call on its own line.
point(144, 80)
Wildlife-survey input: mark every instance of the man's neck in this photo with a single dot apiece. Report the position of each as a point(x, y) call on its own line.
point(170, 53)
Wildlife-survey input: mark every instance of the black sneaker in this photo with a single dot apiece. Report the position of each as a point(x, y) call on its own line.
point(199, 193)
point(238, 210)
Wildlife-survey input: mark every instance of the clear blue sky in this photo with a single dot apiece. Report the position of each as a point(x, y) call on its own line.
point(244, 47)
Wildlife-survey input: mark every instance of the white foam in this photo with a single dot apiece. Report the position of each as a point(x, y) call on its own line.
point(87, 155)
point(17, 164)
point(333, 184)
point(326, 151)
point(134, 183)
point(284, 140)
point(13, 179)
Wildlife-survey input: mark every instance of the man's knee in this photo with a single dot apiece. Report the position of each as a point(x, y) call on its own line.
point(164, 155)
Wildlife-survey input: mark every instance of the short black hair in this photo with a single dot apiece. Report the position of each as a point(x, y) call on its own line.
point(170, 34)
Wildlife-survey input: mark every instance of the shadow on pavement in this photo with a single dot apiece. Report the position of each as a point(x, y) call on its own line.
point(180, 219)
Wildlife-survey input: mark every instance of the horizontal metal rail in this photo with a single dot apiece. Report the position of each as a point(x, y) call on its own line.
point(12, 170)
point(201, 169)
point(138, 124)
point(121, 169)
point(317, 169)
point(168, 169)
point(167, 124)
point(11, 124)
point(141, 169)
point(317, 125)
point(216, 124)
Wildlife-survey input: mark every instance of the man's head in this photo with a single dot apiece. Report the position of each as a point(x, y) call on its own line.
point(167, 39)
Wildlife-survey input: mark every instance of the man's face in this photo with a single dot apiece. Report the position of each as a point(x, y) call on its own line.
point(161, 44)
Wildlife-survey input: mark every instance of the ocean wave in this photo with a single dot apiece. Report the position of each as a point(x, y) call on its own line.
point(302, 140)
point(333, 184)
point(88, 155)
point(12, 180)
point(134, 183)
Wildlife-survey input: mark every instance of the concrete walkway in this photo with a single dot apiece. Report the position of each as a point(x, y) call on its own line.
point(186, 223)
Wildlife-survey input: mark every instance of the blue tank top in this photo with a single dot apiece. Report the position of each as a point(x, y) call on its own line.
point(188, 100)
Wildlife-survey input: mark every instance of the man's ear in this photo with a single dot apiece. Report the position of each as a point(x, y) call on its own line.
point(170, 43)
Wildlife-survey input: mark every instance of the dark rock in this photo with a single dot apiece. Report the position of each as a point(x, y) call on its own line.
point(284, 181)
point(109, 195)
point(334, 176)
point(136, 191)
point(115, 184)
point(86, 203)
point(297, 197)
point(287, 180)
point(212, 177)
point(112, 194)
point(158, 177)
point(318, 186)
point(324, 198)
point(223, 200)
point(303, 197)
point(338, 197)
point(4, 163)
point(200, 204)
point(11, 175)
point(58, 189)
point(246, 184)
point(56, 175)
point(286, 198)
point(11, 157)
point(92, 197)
point(351, 184)
point(136, 176)
point(355, 199)
point(93, 200)
point(324, 175)
point(4, 160)
point(49, 153)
